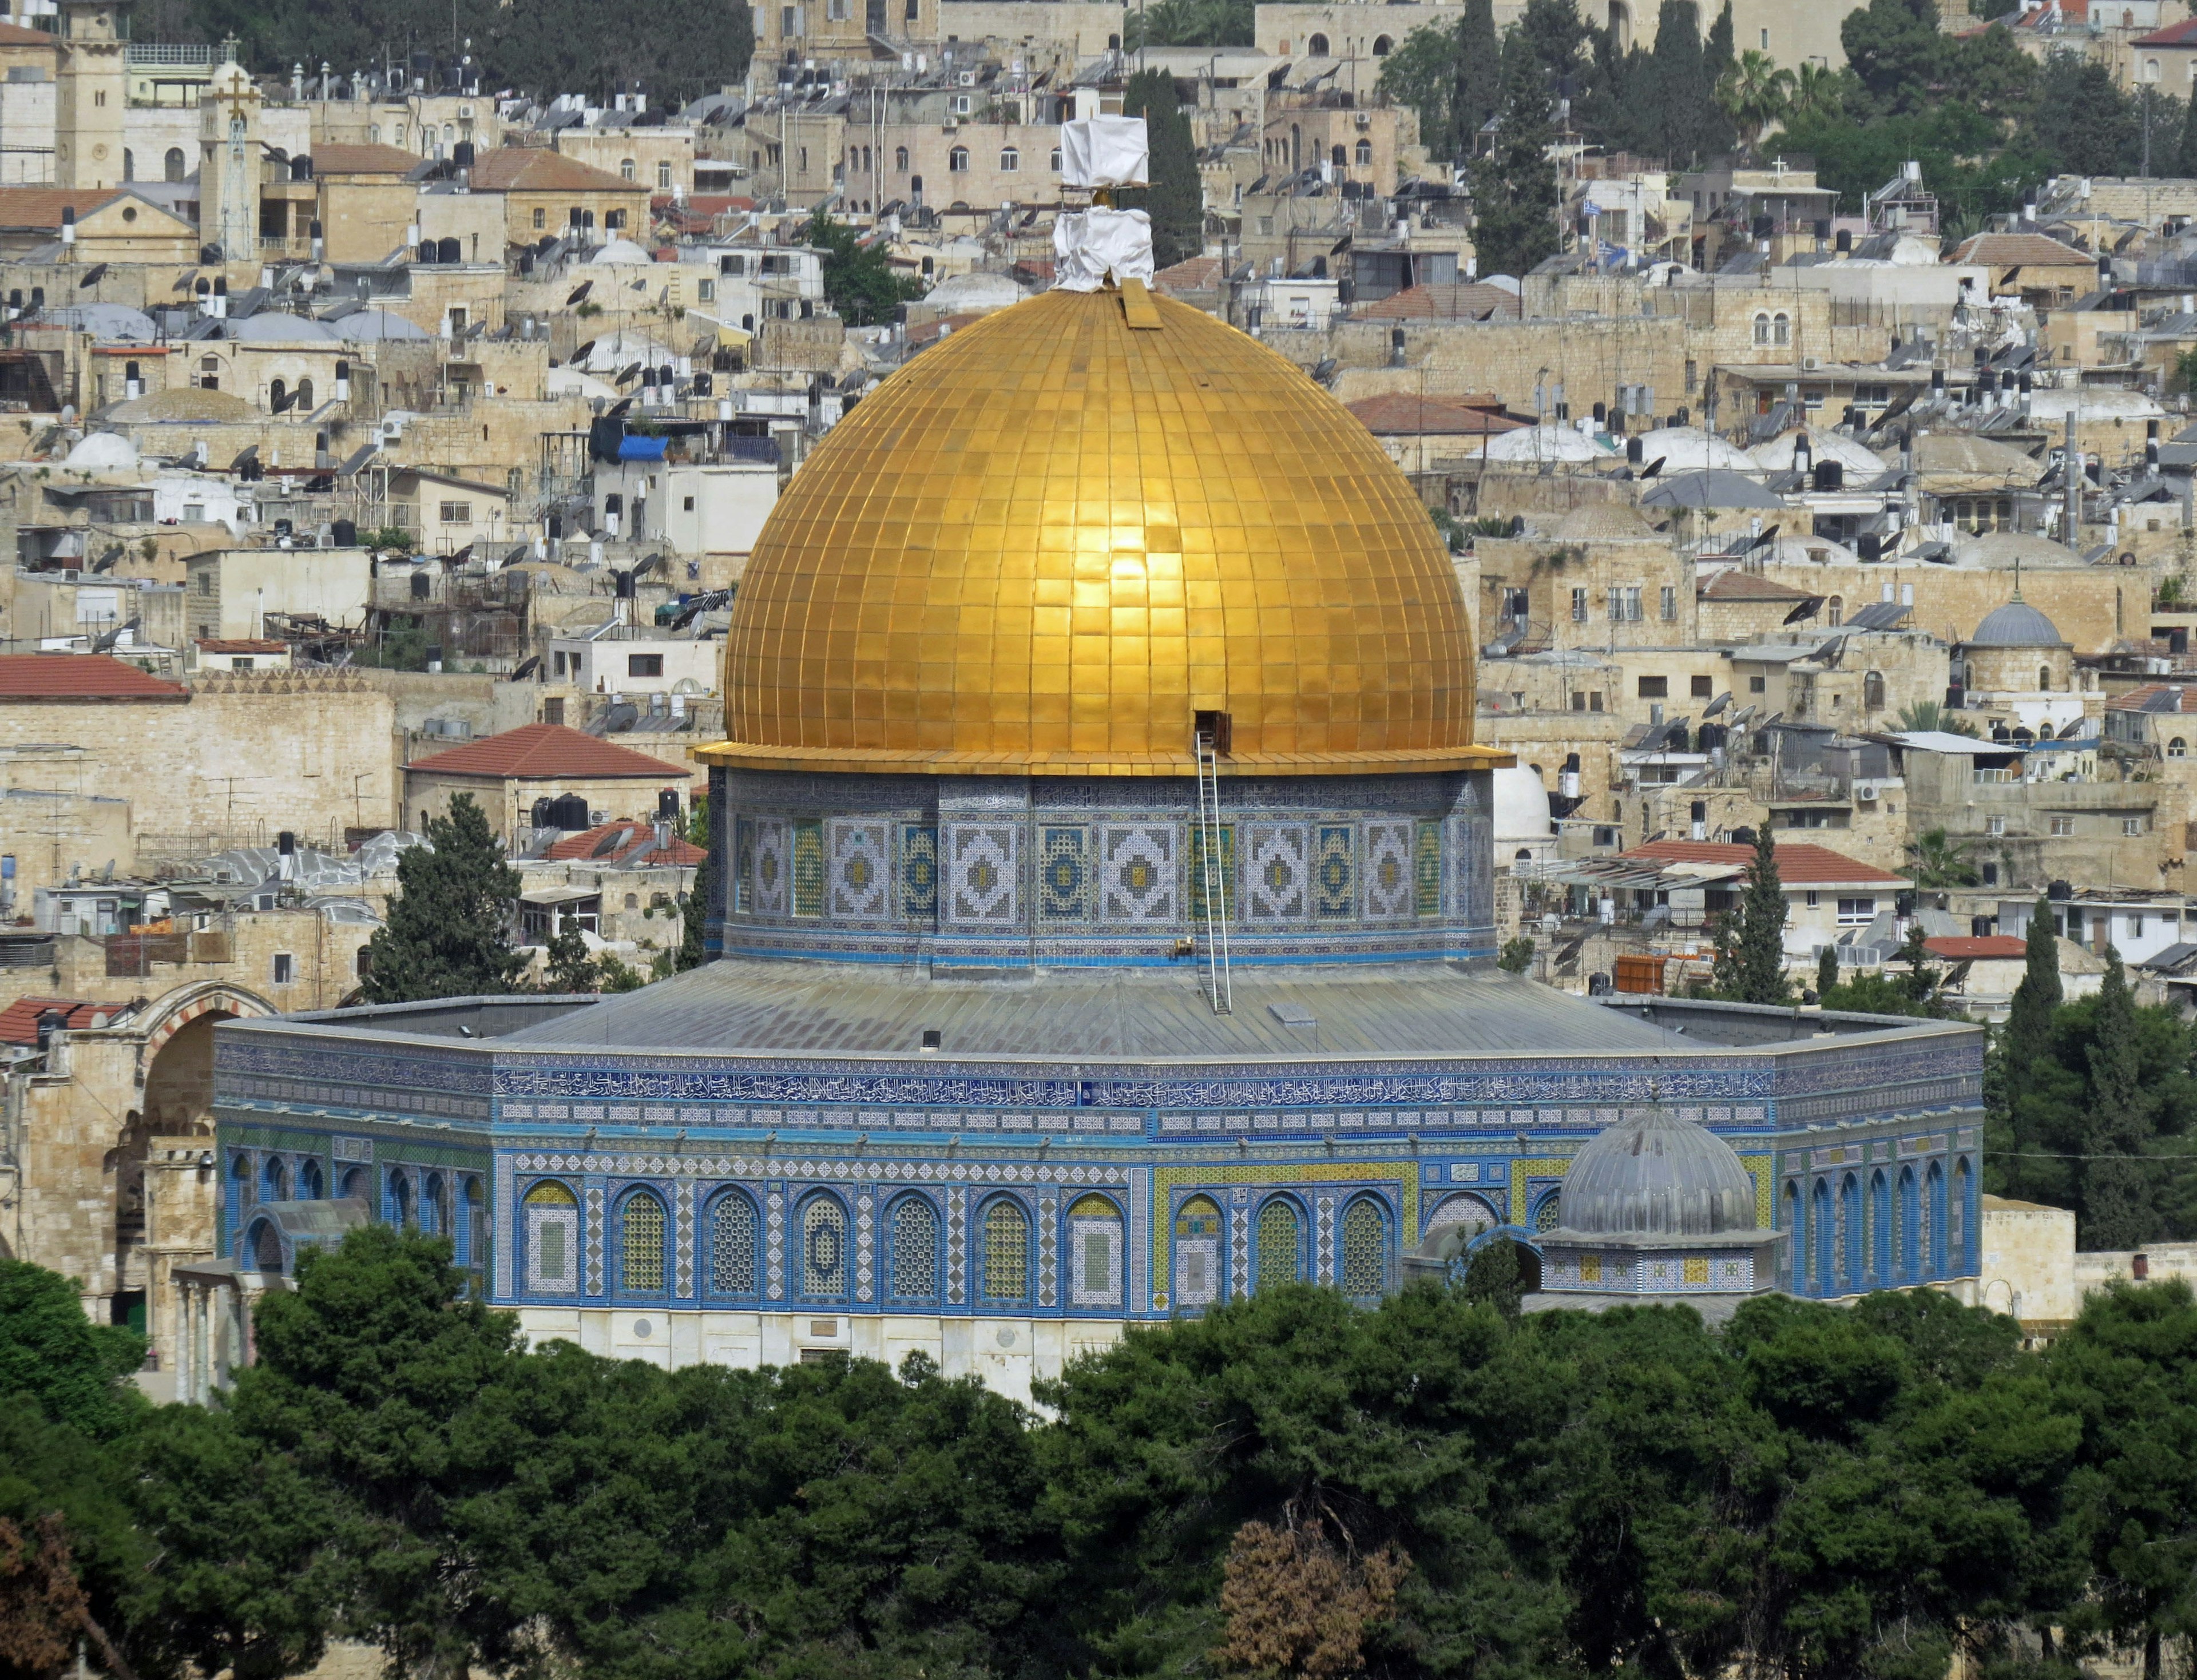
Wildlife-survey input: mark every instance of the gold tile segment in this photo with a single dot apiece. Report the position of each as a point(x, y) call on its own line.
point(1046, 542)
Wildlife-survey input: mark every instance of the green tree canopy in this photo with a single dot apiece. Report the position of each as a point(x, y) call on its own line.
point(446, 933)
point(859, 282)
point(52, 1354)
point(1176, 199)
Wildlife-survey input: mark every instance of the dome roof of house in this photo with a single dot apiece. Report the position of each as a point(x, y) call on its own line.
point(1655, 1174)
point(2016, 624)
point(102, 449)
point(1047, 542)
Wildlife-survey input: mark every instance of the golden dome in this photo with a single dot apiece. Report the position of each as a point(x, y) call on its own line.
point(1049, 541)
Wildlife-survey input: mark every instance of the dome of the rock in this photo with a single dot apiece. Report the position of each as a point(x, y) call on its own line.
point(1050, 540)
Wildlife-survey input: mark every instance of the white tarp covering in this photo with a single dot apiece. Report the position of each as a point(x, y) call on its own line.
point(1088, 244)
point(1104, 152)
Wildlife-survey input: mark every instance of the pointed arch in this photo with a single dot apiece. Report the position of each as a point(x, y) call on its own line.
point(1197, 1227)
point(1095, 1229)
point(734, 1265)
point(640, 1239)
point(1004, 1273)
point(1280, 1240)
point(912, 1249)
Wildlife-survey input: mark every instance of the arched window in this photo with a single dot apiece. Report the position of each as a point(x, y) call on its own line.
point(1364, 1267)
point(1762, 327)
point(626, 168)
point(553, 1239)
point(732, 1228)
point(1956, 1222)
point(1836, 610)
point(1006, 1254)
point(1383, 46)
point(434, 1207)
point(664, 176)
point(823, 1248)
point(1365, 154)
point(1880, 1231)
point(401, 1213)
point(1094, 1250)
point(1469, 1212)
point(1317, 46)
point(1796, 1248)
point(1872, 691)
point(1933, 1221)
point(2177, 748)
point(1850, 1236)
point(1549, 1211)
point(2043, 679)
point(1010, 161)
point(1781, 329)
point(1823, 1229)
point(957, 161)
point(275, 1181)
point(278, 396)
point(304, 398)
point(1281, 1243)
point(1196, 1252)
point(641, 1243)
point(912, 1232)
point(171, 166)
point(129, 165)
point(1339, 156)
point(473, 1235)
point(353, 1185)
point(900, 159)
point(266, 1246)
point(311, 1186)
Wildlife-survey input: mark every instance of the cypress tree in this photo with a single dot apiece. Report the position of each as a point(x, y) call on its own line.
point(1719, 52)
point(1760, 940)
point(1514, 187)
point(446, 936)
point(1479, 77)
point(1176, 199)
point(2027, 1033)
point(2185, 162)
point(2116, 1212)
point(694, 907)
point(1827, 970)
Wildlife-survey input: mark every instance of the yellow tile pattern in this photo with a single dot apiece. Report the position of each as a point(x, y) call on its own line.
point(1050, 539)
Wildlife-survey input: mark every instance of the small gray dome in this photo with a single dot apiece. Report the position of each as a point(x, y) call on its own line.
point(1657, 1175)
point(2016, 624)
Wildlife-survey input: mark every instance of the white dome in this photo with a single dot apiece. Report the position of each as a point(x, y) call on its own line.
point(966, 293)
point(1688, 449)
point(363, 327)
point(1545, 442)
point(1522, 810)
point(1823, 444)
point(276, 328)
point(103, 450)
point(619, 251)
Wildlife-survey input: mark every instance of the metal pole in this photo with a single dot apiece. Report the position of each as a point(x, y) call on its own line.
point(2071, 476)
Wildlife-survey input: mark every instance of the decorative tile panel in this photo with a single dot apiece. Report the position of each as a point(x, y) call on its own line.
point(861, 872)
point(1064, 874)
point(743, 863)
point(980, 872)
point(866, 1270)
point(1278, 871)
point(506, 1193)
point(774, 866)
point(919, 872)
point(774, 1239)
point(1048, 1252)
point(682, 1238)
point(957, 1246)
point(1428, 864)
point(1335, 872)
point(1389, 870)
point(808, 868)
point(1137, 872)
point(594, 1237)
point(1324, 1240)
point(1223, 872)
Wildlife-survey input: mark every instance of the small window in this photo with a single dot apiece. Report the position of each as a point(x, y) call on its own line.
point(1010, 161)
point(2131, 826)
point(541, 217)
point(1854, 912)
point(2177, 748)
point(626, 168)
point(1578, 606)
point(1762, 328)
point(282, 968)
point(1781, 329)
point(957, 161)
point(900, 159)
point(1655, 687)
point(1995, 825)
point(664, 177)
point(457, 513)
point(644, 665)
point(1815, 898)
point(1670, 603)
point(1364, 155)
point(1756, 685)
point(1703, 688)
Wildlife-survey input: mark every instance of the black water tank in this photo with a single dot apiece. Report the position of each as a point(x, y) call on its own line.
point(2060, 892)
point(346, 533)
point(1830, 475)
point(1742, 836)
point(567, 811)
point(666, 805)
point(1869, 546)
point(422, 586)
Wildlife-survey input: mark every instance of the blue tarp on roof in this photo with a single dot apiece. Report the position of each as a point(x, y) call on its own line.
point(640, 449)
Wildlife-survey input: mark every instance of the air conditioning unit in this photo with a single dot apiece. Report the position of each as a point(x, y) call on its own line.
point(1866, 792)
point(951, 124)
point(1810, 363)
point(465, 113)
point(967, 78)
point(1364, 119)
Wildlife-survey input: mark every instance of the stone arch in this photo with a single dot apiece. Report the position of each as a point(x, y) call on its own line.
point(187, 1003)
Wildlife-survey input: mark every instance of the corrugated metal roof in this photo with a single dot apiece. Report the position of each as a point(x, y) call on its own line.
point(1430, 1009)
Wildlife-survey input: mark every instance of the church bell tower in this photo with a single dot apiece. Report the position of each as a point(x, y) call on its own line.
point(229, 162)
point(92, 94)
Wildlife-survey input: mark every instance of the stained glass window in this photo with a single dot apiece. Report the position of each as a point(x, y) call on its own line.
point(553, 1238)
point(641, 1254)
point(733, 1246)
point(914, 1248)
point(1365, 1250)
point(1094, 1237)
point(1550, 1210)
point(823, 1248)
point(1277, 1243)
point(1198, 1253)
point(1006, 1253)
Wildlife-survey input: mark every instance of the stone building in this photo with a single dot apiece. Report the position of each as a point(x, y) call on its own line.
point(1106, 899)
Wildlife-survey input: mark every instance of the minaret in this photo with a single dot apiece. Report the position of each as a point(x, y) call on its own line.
point(228, 161)
point(91, 92)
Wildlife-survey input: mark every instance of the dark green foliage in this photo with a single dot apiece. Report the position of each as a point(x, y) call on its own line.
point(1717, 49)
point(1478, 87)
point(676, 49)
point(1492, 1276)
point(1451, 76)
point(1190, 23)
point(1874, 994)
point(446, 936)
point(2185, 155)
point(1672, 91)
point(2086, 124)
point(1749, 944)
point(859, 283)
point(1516, 955)
point(49, 1352)
point(1898, 55)
point(2117, 1179)
point(1514, 187)
point(1827, 970)
point(1175, 200)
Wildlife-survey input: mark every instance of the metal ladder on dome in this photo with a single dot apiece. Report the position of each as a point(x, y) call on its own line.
point(1218, 986)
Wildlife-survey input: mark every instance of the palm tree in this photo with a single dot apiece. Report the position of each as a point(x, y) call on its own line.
point(1919, 717)
point(1936, 860)
point(1755, 93)
point(1818, 90)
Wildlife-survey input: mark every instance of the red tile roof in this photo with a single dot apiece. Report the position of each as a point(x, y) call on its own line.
point(2181, 34)
point(1192, 273)
point(240, 644)
point(535, 169)
point(370, 157)
point(2021, 250)
point(80, 676)
point(19, 1022)
point(614, 841)
point(2141, 699)
point(1798, 866)
point(14, 35)
point(1967, 948)
point(1469, 300)
point(550, 752)
point(1401, 414)
point(1735, 585)
point(41, 208)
